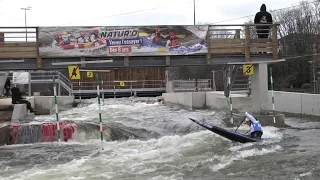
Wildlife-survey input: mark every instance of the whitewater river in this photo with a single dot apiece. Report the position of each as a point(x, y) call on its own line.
point(158, 142)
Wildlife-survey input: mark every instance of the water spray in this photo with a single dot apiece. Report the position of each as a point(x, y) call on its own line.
point(99, 105)
point(56, 107)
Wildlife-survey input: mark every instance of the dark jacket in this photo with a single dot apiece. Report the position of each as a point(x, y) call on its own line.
point(7, 84)
point(263, 17)
point(16, 95)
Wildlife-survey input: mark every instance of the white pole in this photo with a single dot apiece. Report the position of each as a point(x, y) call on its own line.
point(273, 108)
point(230, 99)
point(56, 108)
point(100, 117)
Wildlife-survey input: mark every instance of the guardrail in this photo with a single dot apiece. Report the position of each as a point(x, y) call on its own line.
point(192, 85)
point(42, 82)
point(243, 39)
point(134, 84)
point(18, 34)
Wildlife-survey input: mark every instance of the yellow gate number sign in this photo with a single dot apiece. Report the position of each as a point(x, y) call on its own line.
point(90, 74)
point(248, 69)
point(121, 83)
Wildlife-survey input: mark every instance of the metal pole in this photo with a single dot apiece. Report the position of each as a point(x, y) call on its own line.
point(131, 88)
point(196, 82)
point(230, 99)
point(102, 92)
point(313, 69)
point(99, 106)
point(273, 109)
point(29, 87)
point(194, 12)
point(80, 91)
point(59, 84)
point(56, 108)
point(114, 90)
point(25, 22)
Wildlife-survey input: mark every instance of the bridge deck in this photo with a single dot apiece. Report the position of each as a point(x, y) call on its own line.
point(224, 45)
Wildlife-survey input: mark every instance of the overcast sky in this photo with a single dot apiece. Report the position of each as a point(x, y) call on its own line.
point(99, 12)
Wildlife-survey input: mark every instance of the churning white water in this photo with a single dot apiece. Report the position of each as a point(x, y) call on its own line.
point(161, 144)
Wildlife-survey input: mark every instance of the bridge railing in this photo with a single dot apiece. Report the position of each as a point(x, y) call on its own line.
point(22, 42)
point(19, 42)
point(107, 85)
point(243, 39)
point(192, 85)
point(42, 82)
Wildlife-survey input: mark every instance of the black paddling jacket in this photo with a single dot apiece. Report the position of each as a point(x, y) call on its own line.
point(16, 95)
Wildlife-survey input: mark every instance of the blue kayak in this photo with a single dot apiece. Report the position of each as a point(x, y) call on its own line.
point(231, 135)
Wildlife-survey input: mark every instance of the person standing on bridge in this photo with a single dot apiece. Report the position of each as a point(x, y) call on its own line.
point(263, 17)
point(7, 86)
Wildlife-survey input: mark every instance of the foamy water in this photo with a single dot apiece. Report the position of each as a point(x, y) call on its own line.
point(183, 151)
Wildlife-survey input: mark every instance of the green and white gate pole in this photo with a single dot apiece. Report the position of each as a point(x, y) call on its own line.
point(273, 109)
point(56, 107)
point(229, 88)
point(100, 118)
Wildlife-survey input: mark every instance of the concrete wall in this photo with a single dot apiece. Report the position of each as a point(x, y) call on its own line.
point(298, 103)
point(45, 104)
point(217, 100)
point(188, 99)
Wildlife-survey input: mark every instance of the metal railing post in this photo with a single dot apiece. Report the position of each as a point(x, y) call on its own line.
point(131, 88)
point(80, 91)
point(102, 90)
point(29, 84)
point(59, 84)
point(114, 90)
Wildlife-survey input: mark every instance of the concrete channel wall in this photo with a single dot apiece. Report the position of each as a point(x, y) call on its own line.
point(43, 104)
point(289, 102)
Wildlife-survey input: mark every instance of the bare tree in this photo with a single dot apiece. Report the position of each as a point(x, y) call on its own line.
point(216, 32)
point(298, 32)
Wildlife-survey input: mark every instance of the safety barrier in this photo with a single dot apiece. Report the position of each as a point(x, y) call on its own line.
point(42, 82)
point(192, 85)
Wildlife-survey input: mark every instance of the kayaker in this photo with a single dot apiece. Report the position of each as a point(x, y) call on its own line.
point(256, 129)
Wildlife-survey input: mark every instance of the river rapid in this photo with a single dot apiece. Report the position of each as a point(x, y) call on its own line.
point(149, 140)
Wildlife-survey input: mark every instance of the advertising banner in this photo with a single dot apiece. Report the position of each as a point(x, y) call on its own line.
point(122, 41)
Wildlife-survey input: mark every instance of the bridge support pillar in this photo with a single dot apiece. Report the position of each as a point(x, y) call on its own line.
point(259, 85)
point(259, 88)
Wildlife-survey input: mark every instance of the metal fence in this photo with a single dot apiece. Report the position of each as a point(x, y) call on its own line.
point(192, 85)
point(134, 84)
point(41, 83)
